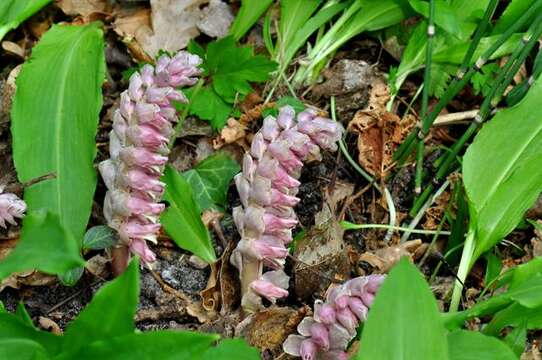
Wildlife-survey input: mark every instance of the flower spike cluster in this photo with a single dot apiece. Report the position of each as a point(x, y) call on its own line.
point(267, 187)
point(11, 207)
point(142, 128)
point(326, 334)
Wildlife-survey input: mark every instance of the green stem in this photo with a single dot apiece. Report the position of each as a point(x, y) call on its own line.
point(346, 225)
point(425, 98)
point(464, 267)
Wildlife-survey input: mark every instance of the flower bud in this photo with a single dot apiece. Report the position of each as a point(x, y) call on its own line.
point(320, 336)
point(308, 350)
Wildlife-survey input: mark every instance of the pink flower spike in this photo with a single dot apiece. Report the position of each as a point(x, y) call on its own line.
point(346, 318)
point(147, 136)
point(324, 313)
point(266, 250)
point(308, 350)
point(134, 229)
point(280, 199)
point(142, 181)
point(135, 89)
point(286, 117)
point(374, 282)
point(273, 223)
point(268, 290)
point(358, 308)
point(320, 336)
point(367, 298)
point(140, 206)
point(11, 207)
point(139, 247)
point(134, 156)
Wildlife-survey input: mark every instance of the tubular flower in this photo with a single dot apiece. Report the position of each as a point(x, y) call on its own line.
point(142, 128)
point(267, 187)
point(326, 334)
point(11, 207)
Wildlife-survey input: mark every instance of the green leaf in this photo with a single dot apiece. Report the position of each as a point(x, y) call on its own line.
point(471, 345)
point(455, 52)
point(228, 349)
point(513, 11)
point(515, 315)
point(445, 17)
point(404, 320)
point(72, 276)
point(208, 105)
point(493, 268)
point(22, 349)
point(44, 245)
point(99, 237)
point(154, 345)
point(521, 273)
point(110, 314)
point(182, 220)
point(23, 315)
point(482, 81)
point(503, 178)
point(210, 180)
point(233, 67)
point(294, 15)
point(248, 14)
point(14, 12)
point(283, 101)
point(2, 308)
point(12, 328)
point(516, 339)
point(54, 122)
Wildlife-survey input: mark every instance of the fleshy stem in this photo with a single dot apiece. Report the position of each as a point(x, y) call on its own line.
point(462, 77)
point(425, 97)
point(530, 38)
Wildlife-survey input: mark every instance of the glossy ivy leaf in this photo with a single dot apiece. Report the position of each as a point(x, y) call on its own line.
point(54, 123)
point(99, 237)
point(14, 12)
point(44, 245)
point(210, 180)
point(248, 15)
point(182, 220)
point(503, 178)
point(472, 345)
point(110, 314)
point(12, 328)
point(228, 349)
point(208, 105)
point(232, 68)
point(413, 330)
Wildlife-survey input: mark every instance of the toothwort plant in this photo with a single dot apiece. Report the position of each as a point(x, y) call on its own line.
point(142, 128)
point(326, 334)
point(267, 187)
point(11, 207)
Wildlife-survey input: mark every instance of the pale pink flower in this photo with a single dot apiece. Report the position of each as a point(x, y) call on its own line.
point(11, 207)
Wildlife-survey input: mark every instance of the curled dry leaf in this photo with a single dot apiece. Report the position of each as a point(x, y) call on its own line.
point(382, 260)
point(379, 131)
point(233, 133)
point(49, 325)
point(268, 329)
point(320, 255)
point(133, 25)
point(216, 19)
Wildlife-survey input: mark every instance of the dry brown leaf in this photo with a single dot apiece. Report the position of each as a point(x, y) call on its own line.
point(382, 260)
point(49, 325)
point(268, 329)
point(379, 131)
point(133, 24)
point(216, 19)
point(13, 48)
point(233, 132)
point(98, 266)
point(320, 256)
point(84, 8)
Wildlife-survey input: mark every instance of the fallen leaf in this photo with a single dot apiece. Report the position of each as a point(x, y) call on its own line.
point(382, 260)
point(84, 8)
point(379, 131)
point(133, 25)
point(216, 19)
point(233, 132)
point(49, 325)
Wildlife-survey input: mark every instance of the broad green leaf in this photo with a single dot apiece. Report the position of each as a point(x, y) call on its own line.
point(232, 68)
point(445, 17)
point(2, 308)
point(521, 273)
point(516, 339)
point(515, 315)
point(293, 15)
point(110, 313)
point(471, 345)
point(22, 349)
point(44, 245)
point(404, 320)
point(12, 328)
point(14, 12)
point(154, 345)
point(54, 122)
point(493, 268)
point(503, 178)
point(513, 11)
point(248, 14)
point(182, 220)
point(210, 180)
point(99, 237)
point(228, 349)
